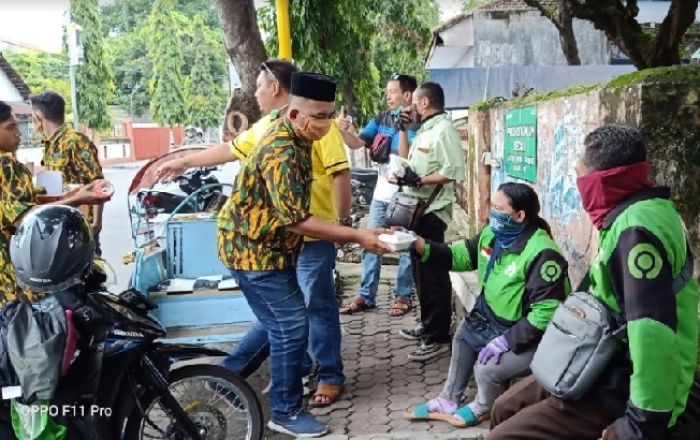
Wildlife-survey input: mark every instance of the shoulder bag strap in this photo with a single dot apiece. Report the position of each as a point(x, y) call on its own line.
point(433, 195)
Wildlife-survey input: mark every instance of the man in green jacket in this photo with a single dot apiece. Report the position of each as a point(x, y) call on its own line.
point(642, 252)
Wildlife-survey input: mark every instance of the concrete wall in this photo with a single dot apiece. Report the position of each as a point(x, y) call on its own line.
point(668, 115)
point(107, 152)
point(529, 39)
point(8, 92)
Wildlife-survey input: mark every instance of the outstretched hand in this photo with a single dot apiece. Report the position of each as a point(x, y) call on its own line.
point(369, 240)
point(170, 170)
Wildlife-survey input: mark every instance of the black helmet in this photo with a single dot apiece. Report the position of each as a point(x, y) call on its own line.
point(52, 249)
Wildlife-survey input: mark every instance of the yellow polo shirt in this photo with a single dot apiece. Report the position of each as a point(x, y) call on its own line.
point(327, 158)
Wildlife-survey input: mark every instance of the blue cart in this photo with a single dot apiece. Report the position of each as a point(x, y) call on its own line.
point(177, 266)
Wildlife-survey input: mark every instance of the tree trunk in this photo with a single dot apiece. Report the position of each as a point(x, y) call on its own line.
point(567, 36)
point(564, 22)
point(664, 48)
point(246, 50)
point(617, 21)
point(620, 25)
point(348, 98)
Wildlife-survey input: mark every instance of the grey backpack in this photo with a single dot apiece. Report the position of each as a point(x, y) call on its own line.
point(581, 339)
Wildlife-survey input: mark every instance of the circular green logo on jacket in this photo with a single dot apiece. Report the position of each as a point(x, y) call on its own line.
point(644, 261)
point(550, 271)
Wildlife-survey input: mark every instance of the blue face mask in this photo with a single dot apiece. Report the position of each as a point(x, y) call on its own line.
point(505, 228)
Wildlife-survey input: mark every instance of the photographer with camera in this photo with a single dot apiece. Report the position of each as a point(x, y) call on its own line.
point(435, 161)
point(381, 136)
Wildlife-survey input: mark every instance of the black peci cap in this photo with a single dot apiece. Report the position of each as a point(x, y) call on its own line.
point(5, 111)
point(315, 86)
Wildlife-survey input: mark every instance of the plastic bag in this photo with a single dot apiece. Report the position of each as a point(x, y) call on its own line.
point(36, 339)
point(32, 422)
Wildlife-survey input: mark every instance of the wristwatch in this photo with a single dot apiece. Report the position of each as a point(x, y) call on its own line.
point(347, 221)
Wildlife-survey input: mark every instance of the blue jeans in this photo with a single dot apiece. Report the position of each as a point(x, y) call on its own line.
point(315, 277)
point(315, 274)
point(279, 306)
point(372, 263)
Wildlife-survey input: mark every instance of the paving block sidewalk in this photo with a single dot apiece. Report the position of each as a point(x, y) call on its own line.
point(382, 384)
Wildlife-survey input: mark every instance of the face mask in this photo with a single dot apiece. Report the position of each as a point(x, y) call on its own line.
point(602, 190)
point(504, 227)
point(314, 129)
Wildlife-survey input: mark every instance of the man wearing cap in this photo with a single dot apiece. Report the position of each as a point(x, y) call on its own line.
point(260, 236)
point(330, 200)
point(190, 138)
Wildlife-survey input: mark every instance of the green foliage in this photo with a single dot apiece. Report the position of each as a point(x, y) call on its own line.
point(165, 49)
point(206, 98)
point(43, 71)
point(360, 43)
point(125, 16)
point(93, 78)
point(132, 67)
point(125, 22)
point(659, 74)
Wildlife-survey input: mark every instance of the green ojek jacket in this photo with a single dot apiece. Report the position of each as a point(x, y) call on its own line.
point(526, 284)
point(642, 250)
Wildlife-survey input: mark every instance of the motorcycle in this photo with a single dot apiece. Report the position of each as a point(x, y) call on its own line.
point(124, 384)
point(363, 181)
point(156, 202)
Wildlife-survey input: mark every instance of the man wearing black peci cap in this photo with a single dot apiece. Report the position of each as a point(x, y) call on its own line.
point(260, 236)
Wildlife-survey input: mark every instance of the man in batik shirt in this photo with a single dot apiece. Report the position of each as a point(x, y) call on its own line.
point(67, 150)
point(260, 236)
point(17, 198)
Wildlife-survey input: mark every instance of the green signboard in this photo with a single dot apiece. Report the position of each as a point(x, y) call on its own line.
point(521, 143)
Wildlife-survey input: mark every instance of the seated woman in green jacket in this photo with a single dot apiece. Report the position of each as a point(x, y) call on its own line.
point(523, 278)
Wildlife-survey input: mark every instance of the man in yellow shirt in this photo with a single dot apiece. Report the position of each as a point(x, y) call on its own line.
point(330, 200)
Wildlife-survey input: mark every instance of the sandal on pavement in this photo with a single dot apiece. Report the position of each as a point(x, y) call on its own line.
point(399, 307)
point(357, 304)
point(421, 412)
point(465, 417)
point(330, 392)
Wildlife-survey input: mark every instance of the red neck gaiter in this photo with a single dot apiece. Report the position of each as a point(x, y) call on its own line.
point(602, 190)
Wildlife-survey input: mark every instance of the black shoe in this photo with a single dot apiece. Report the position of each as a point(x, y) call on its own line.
point(427, 351)
point(412, 334)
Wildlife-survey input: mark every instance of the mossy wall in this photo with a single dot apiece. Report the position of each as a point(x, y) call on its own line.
point(663, 103)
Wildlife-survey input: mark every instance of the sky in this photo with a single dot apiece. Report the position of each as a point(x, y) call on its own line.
point(33, 22)
point(40, 22)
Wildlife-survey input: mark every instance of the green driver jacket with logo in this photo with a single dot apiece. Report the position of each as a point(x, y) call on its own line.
point(642, 250)
point(526, 284)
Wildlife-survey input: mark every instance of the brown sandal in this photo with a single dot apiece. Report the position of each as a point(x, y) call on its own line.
point(356, 305)
point(330, 392)
point(399, 307)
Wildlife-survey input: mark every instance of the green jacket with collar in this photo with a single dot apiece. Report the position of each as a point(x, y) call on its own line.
point(526, 284)
point(642, 249)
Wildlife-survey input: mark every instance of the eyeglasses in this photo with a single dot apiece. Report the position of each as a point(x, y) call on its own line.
point(269, 72)
point(396, 76)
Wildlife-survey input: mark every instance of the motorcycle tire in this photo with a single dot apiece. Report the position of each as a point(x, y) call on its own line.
point(243, 392)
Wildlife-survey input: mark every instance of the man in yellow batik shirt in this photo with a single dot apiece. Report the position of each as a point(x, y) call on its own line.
point(67, 150)
point(330, 201)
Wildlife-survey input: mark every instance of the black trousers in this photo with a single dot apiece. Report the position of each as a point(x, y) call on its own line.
point(433, 286)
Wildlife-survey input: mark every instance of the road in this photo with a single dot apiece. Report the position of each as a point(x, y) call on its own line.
point(116, 230)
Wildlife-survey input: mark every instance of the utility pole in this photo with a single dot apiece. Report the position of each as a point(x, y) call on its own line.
point(77, 57)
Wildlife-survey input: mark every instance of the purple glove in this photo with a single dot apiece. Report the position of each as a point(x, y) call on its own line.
point(494, 349)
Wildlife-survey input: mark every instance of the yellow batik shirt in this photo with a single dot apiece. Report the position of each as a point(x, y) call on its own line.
point(74, 155)
point(271, 192)
point(327, 158)
point(16, 197)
